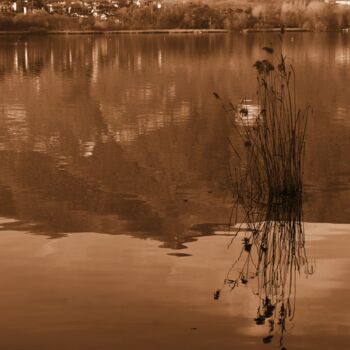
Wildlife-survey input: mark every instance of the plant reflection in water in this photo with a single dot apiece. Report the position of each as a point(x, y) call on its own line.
point(272, 255)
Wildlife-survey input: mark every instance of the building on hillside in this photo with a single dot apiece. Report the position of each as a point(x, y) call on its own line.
point(338, 2)
point(5, 7)
point(343, 2)
point(20, 6)
point(25, 6)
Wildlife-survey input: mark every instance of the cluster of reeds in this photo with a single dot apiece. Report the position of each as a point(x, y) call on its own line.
point(275, 139)
point(267, 186)
point(270, 169)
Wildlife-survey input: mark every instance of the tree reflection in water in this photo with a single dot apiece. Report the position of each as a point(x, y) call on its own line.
point(272, 255)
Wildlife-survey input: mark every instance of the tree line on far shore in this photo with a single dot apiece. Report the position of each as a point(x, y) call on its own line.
point(313, 15)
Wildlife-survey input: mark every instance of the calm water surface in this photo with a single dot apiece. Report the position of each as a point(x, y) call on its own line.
point(115, 192)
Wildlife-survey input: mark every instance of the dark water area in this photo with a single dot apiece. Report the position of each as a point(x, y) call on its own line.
point(121, 135)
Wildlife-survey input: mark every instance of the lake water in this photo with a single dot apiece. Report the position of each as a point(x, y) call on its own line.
point(115, 194)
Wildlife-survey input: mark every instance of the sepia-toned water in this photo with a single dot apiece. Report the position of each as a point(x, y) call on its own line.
point(115, 191)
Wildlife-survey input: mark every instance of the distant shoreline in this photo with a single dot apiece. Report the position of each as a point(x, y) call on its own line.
point(161, 31)
point(274, 30)
point(126, 31)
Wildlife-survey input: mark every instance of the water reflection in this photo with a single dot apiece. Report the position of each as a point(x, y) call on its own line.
point(92, 162)
point(247, 113)
point(271, 259)
point(120, 134)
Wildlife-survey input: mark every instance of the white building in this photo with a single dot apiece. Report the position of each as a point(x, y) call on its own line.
point(343, 2)
point(338, 2)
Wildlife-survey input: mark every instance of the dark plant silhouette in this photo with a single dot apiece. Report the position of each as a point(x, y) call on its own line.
point(267, 188)
point(268, 168)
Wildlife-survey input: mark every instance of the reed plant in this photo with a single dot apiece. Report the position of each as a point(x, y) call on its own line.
point(266, 179)
point(272, 168)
